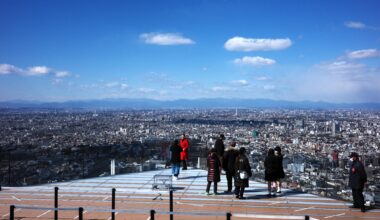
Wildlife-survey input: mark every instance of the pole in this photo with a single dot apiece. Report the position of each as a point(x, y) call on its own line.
point(113, 203)
point(12, 212)
point(307, 217)
point(228, 215)
point(80, 213)
point(56, 203)
point(171, 204)
point(152, 212)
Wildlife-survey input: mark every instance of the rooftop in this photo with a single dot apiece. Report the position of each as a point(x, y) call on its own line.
point(135, 198)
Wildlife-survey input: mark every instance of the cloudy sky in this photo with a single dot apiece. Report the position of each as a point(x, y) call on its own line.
point(172, 49)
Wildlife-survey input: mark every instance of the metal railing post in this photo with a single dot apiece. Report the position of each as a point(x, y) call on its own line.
point(113, 204)
point(80, 213)
point(171, 204)
point(307, 217)
point(12, 212)
point(152, 212)
point(228, 215)
point(56, 203)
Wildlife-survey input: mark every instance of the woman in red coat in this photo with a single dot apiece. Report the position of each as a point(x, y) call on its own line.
point(184, 143)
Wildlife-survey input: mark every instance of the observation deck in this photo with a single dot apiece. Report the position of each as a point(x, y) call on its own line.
point(135, 198)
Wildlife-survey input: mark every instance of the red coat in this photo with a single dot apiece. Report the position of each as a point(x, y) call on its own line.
point(184, 143)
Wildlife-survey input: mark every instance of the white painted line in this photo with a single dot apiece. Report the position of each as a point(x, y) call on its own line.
point(274, 203)
point(14, 197)
point(9, 213)
point(76, 217)
point(298, 210)
point(105, 198)
point(335, 215)
point(44, 213)
point(192, 204)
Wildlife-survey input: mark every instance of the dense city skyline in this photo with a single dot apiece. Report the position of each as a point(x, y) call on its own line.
point(167, 50)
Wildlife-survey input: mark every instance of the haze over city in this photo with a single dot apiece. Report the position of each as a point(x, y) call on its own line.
point(168, 50)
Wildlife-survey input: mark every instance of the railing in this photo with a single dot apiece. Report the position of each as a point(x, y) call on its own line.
point(152, 213)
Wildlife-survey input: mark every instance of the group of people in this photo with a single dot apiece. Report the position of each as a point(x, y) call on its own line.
point(236, 165)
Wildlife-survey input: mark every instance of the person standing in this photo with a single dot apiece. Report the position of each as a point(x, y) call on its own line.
point(335, 158)
point(270, 170)
point(229, 159)
point(184, 143)
point(243, 172)
point(280, 174)
point(219, 146)
point(357, 180)
point(175, 159)
point(213, 172)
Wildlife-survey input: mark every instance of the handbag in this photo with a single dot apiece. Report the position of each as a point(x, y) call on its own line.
point(243, 175)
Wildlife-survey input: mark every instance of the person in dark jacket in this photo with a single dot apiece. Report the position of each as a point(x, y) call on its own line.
point(175, 160)
point(214, 169)
point(270, 165)
point(241, 165)
point(229, 158)
point(219, 147)
point(280, 174)
point(357, 180)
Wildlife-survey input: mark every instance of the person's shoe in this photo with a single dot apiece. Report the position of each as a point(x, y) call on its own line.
point(214, 194)
point(237, 196)
point(241, 197)
point(228, 192)
point(362, 209)
point(184, 168)
point(207, 193)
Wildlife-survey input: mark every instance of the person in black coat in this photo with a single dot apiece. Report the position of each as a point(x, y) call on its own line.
point(219, 147)
point(280, 174)
point(214, 169)
point(229, 158)
point(241, 165)
point(357, 180)
point(270, 165)
point(175, 160)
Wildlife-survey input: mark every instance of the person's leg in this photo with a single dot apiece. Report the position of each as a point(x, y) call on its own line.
point(237, 191)
point(173, 169)
point(208, 187)
point(215, 187)
point(184, 165)
point(229, 181)
point(278, 186)
point(355, 198)
point(269, 188)
point(241, 195)
point(177, 169)
point(361, 199)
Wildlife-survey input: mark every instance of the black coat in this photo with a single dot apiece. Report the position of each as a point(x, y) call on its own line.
point(358, 176)
point(176, 153)
point(214, 168)
point(279, 169)
point(229, 159)
point(242, 164)
point(270, 165)
point(219, 147)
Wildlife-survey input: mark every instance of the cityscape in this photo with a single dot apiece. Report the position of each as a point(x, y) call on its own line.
point(51, 145)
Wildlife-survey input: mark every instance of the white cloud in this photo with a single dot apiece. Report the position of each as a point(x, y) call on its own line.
point(165, 39)
point(254, 61)
point(355, 24)
point(361, 54)
point(254, 44)
point(221, 89)
point(38, 70)
point(341, 67)
point(146, 90)
point(263, 78)
point(124, 86)
point(269, 87)
point(9, 69)
point(241, 82)
point(61, 74)
point(112, 84)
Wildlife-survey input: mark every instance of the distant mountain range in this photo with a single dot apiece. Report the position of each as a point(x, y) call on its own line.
point(185, 103)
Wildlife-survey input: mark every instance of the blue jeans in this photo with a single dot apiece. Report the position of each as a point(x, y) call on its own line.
point(175, 168)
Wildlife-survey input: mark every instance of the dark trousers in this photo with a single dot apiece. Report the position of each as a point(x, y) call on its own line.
point(358, 197)
point(239, 191)
point(184, 165)
point(209, 185)
point(229, 177)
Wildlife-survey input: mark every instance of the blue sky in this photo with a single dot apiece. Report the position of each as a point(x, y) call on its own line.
point(173, 49)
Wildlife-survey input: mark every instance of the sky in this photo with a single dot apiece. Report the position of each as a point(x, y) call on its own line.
point(60, 50)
